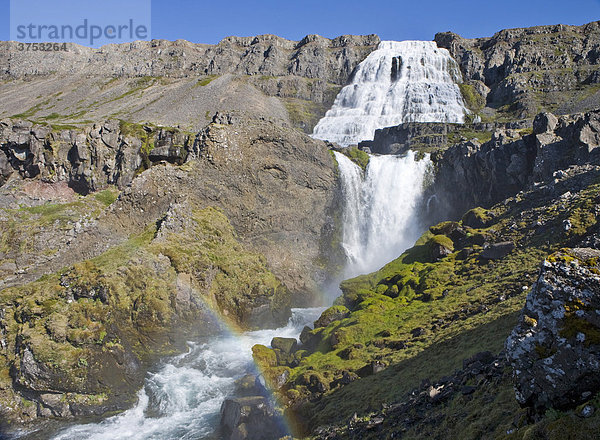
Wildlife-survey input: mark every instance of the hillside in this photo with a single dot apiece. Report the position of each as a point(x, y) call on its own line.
point(155, 196)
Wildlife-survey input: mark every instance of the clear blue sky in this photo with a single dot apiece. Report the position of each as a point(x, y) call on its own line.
point(210, 21)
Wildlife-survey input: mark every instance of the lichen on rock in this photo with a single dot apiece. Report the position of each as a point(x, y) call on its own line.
point(555, 348)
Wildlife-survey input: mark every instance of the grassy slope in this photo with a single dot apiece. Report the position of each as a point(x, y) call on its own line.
point(463, 304)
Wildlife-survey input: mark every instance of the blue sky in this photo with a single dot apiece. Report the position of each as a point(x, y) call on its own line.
point(210, 21)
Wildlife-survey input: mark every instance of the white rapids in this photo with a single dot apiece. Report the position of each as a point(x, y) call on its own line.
point(181, 401)
point(400, 81)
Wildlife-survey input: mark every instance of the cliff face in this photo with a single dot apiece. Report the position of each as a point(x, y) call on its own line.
point(312, 57)
point(473, 174)
point(254, 169)
point(180, 83)
point(521, 71)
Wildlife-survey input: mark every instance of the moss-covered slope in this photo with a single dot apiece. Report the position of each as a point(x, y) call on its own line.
point(78, 341)
point(457, 292)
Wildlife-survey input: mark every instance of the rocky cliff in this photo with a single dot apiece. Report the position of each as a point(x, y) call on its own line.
point(474, 174)
point(254, 169)
point(169, 228)
point(313, 57)
point(180, 83)
point(519, 72)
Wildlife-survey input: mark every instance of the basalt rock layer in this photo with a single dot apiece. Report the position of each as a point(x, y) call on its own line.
point(473, 174)
point(518, 71)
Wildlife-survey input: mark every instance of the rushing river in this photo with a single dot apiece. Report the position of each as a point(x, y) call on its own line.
point(182, 399)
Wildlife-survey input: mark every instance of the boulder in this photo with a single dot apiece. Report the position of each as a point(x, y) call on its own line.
point(286, 345)
point(477, 218)
point(544, 123)
point(250, 418)
point(332, 314)
point(555, 348)
point(497, 251)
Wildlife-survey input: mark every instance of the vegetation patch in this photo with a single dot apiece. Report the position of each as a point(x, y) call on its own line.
point(418, 317)
point(359, 157)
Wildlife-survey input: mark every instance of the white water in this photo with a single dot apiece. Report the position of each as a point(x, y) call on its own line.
point(380, 219)
point(422, 89)
point(183, 398)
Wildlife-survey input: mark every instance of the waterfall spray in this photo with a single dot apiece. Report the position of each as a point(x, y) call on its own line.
point(380, 213)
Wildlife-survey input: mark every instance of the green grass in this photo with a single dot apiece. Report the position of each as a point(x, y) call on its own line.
point(455, 300)
point(107, 196)
point(205, 81)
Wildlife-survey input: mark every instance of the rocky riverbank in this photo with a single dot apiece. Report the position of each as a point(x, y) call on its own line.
point(176, 229)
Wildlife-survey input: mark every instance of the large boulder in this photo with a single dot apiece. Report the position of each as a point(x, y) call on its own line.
point(250, 418)
point(498, 251)
point(555, 348)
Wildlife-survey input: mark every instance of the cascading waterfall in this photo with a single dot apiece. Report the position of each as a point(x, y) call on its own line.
point(399, 82)
point(380, 219)
point(406, 81)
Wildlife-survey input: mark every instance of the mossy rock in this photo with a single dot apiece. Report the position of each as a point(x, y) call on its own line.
point(264, 356)
point(440, 246)
point(357, 156)
point(286, 345)
point(478, 218)
point(334, 313)
point(444, 228)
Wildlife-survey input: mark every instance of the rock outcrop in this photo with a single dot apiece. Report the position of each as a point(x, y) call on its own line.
point(430, 136)
point(555, 348)
point(473, 174)
point(518, 70)
point(90, 158)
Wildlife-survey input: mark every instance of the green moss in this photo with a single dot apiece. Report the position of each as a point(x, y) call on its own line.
point(28, 113)
point(477, 218)
point(125, 300)
point(264, 356)
point(332, 314)
point(107, 196)
point(442, 240)
point(454, 300)
point(572, 325)
point(205, 81)
point(473, 100)
point(357, 156)
point(137, 85)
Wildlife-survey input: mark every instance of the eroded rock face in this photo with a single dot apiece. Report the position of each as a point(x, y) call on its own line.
point(514, 66)
point(555, 348)
point(473, 174)
point(312, 57)
point(88, 159)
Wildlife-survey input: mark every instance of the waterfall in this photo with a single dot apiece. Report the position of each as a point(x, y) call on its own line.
point(380, 219)
point(407, 81)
